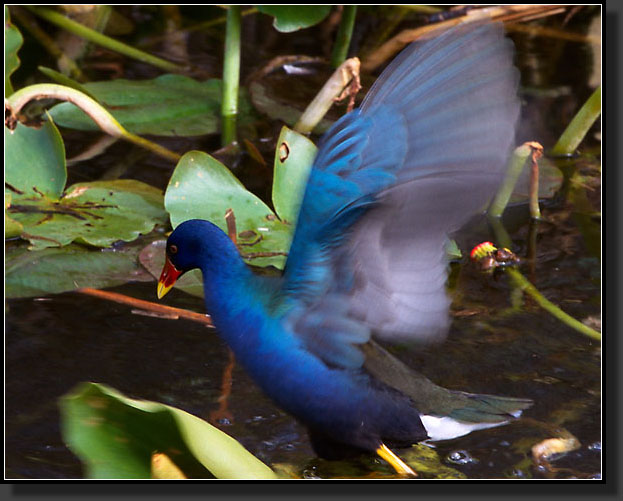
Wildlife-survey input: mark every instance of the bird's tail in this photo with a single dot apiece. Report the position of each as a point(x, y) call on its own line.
point(479, 408)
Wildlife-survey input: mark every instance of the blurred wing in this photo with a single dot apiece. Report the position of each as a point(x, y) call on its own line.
point(426, 150)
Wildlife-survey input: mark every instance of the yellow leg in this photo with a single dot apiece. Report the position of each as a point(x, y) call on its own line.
point(399, 465)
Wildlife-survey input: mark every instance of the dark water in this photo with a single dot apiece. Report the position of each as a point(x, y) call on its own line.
point(55, 342)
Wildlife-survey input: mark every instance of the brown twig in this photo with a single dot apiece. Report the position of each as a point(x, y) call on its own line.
point(230, 219)
point(499, 13)
point(165, 311)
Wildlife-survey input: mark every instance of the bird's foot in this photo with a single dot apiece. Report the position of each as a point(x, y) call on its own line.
point(399, 465)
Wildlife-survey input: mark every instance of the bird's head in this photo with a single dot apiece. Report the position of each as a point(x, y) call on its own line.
point(194, 244)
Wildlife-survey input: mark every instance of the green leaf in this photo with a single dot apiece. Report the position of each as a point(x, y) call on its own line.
point(98, 213)
point(203, 188)
point(290, 18)
point(293, 160)
point(11, 227)
point(12, 42)
point(170, 105)
point(56, 270)
point(35, 160)
point(116, 436)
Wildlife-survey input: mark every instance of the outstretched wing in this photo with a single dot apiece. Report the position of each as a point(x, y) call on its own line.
point(425, 151)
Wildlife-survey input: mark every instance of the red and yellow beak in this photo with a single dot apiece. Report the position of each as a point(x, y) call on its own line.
point(168, 277)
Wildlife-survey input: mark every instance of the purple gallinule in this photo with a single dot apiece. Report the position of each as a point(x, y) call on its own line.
point(391, 179)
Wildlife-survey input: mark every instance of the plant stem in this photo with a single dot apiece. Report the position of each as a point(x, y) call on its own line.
point(47, 42)
point(579, 126)
point(104, 120)
point(231, 76)
point(523, 283)
point(331, 90)
point(103, 40)
point(535, 210)
point(513, 170)
point(344, 34)
point(536, 153)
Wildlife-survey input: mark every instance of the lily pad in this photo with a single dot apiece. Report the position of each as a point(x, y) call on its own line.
point(290, 18)
point(169, 105)
point(203, 188)
point(293, 160)
point(56, 270)
point(13, 41)
point(116, 437)
point(98, 213)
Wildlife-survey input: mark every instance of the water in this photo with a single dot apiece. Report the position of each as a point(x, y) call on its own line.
point(53, 343)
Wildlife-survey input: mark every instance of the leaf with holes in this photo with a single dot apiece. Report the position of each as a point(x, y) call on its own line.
point(293, 160)
point(98, 213)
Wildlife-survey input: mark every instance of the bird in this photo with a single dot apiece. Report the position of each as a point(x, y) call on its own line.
point(367, 267)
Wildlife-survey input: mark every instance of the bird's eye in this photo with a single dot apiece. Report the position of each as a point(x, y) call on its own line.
point(173, 249)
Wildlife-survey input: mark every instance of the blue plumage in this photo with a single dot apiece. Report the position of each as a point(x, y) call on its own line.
point(390, 181)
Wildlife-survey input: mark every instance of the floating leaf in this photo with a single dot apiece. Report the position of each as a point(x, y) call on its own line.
point(293, 160)
point(98, 213)
point(203, 188)
point(116, 437)
point(56, 270)
point(34, 160)
point(12, 42)
point(290, 18)
point(169, 105)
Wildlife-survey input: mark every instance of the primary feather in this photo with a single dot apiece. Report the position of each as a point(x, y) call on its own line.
point(426, 150)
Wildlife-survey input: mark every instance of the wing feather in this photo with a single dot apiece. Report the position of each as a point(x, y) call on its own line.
point(391, 180)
